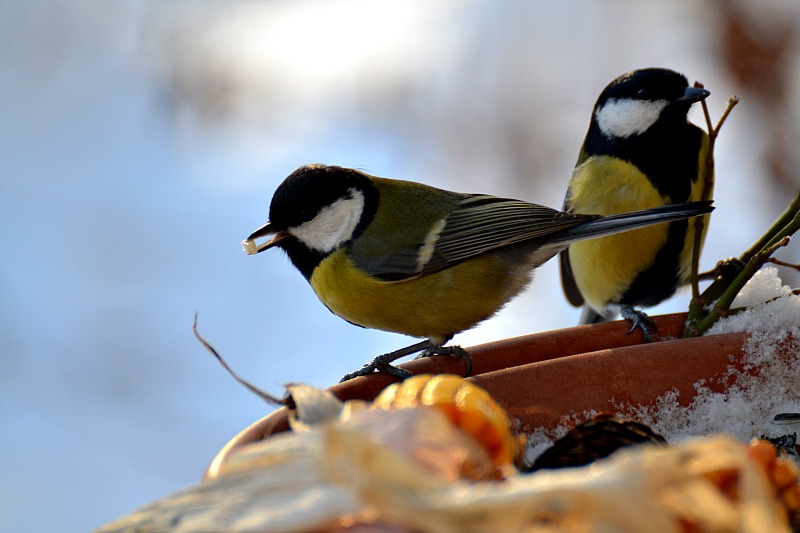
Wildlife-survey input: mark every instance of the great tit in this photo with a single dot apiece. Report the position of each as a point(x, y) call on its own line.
point(408, 258)
point(640, 152)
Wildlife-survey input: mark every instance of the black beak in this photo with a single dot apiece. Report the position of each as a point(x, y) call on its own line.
point(693, 94)
point(251, 247)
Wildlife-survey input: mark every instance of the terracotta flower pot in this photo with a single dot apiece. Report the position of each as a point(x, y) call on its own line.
point(541, 377)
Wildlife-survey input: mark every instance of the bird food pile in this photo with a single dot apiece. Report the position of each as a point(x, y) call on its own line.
point(436, 454)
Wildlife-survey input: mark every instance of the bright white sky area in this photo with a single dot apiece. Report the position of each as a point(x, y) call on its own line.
point(140, 142)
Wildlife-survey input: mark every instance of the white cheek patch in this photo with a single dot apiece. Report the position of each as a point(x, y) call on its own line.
point(333, 225)
point(623, 117)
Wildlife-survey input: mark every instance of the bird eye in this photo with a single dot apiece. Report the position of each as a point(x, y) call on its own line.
point(641, 93)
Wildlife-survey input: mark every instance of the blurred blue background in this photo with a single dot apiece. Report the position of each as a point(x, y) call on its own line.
point(140, 141)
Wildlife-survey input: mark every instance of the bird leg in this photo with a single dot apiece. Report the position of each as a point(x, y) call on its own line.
point(638, 319)
point(383, 363)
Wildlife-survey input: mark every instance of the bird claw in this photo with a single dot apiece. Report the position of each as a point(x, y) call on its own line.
point(381, 366)
point(383, 363)
point(367, 369)
point(453, 351)
point(400, 373)
point(639, 320)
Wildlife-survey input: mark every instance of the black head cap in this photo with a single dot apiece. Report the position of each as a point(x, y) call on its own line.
point(310, 188)
point(646, 84)
point(303, 195)
point(652, 84)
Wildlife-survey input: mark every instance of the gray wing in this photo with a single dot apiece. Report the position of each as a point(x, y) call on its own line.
point(479, 224)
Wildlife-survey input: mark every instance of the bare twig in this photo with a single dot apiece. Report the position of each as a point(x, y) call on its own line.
point(782, 221)
point(783, 263)
point(270, 399)
point(708, 186)
point(698, 303)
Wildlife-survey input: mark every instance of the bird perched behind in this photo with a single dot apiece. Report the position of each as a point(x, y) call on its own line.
point(640, 152)
point(405, 257)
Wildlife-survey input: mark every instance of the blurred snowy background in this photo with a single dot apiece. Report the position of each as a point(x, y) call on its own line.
point(140, 141)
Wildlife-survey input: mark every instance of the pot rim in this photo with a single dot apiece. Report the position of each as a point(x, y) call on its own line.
point(495, 361)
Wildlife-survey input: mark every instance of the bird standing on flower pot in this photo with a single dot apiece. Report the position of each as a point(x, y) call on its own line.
point(408, 258)
point(640, 152)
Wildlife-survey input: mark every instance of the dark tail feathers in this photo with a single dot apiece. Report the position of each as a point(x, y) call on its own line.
point(611, 224)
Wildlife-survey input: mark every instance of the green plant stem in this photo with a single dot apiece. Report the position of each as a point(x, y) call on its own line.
point(782, 221)
point(774, 240)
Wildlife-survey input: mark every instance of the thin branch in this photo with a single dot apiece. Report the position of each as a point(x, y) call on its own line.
point(708, 185)
point(720, 309)
point(706, 114)
point(783, 263)
point(696, 307)
point(270, 399)
point(782, 221)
